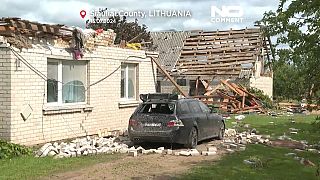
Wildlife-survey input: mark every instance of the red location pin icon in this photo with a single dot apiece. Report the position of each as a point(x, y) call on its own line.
point(83, 13)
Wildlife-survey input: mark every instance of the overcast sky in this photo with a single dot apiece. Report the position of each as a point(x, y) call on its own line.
point(68, 11)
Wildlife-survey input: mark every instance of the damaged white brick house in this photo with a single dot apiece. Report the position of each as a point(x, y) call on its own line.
point(49, 92)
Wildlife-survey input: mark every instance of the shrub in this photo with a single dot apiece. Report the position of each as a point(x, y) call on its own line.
point(265, 99)
point(9, 150)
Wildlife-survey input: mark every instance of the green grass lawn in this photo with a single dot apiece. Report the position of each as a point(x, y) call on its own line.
point(30, 167)
point(275, 165)
point(281, 124)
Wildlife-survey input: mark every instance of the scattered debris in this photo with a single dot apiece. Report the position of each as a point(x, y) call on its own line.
point(254, 162)
point(207, 153)
point(248, 162)
point(290, 154)
point(230, 150)
point(194, 152)
point(306, 162)
point(212, 149)
point(288, 144)
point(133, 153)
point(312, 150)
point(284, 137)
point(230, 132)
point(293, 129)
point(254, 131)
point(239, 117)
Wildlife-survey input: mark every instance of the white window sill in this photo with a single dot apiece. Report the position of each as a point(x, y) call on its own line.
point(128, 103)
point(61, 109)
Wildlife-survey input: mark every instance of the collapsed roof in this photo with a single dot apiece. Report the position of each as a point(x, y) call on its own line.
point(214, 53)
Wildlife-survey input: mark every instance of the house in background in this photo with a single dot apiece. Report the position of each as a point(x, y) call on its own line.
point(51, 90)
point(240, 55)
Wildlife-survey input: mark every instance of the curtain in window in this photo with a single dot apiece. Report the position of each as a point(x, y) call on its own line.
point(131, 80)
point(74, 81)
point(128, 81)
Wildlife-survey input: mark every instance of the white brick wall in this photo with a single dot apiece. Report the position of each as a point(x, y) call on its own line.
point(5, 85)
point(28, 88)
point(263, 83)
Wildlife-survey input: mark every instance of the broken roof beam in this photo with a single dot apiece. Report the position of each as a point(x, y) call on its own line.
point(238, 89)
point(169, 77)
point(231, 87)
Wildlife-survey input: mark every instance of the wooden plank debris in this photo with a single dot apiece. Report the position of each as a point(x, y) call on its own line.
point(231, 98)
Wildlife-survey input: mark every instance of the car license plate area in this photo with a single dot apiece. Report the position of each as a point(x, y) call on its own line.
point(152, 124)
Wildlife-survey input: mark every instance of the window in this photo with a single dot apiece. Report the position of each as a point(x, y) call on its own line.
point(52, 83)
point(128, 81)
point(204, 108)
point(194, 107)
point(66, 81)
point(161, 108)
point(182, 82)
point(184, 109)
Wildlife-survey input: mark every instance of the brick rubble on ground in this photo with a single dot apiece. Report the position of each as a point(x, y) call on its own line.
point(94, 145)
point(232, 142)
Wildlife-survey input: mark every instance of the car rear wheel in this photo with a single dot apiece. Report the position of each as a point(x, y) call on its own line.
point(193, 139)
point(221, 132)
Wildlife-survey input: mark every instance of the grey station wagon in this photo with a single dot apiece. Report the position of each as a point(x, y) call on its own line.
point(165, 118)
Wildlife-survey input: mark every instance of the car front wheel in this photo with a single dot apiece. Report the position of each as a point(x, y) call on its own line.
point(193, 139)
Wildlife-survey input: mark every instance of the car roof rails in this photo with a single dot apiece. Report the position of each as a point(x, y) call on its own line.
point(158, 96)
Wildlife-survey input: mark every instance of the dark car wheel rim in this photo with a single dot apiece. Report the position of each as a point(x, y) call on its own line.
point(194, 138)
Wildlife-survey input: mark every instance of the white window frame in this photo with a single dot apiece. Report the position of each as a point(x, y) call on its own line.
point(59, 102)
point(126, 98)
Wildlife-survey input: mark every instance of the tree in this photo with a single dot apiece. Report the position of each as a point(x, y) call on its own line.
point(296, 26)
point(125, 30)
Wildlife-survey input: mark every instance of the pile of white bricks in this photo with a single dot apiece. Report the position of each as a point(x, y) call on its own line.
point(82, 146)
point(91, 146)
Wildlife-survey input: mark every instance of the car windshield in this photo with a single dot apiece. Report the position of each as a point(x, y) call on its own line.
point(159, 108)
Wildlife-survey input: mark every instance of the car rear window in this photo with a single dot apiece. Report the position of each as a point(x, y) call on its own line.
point(159, 108)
